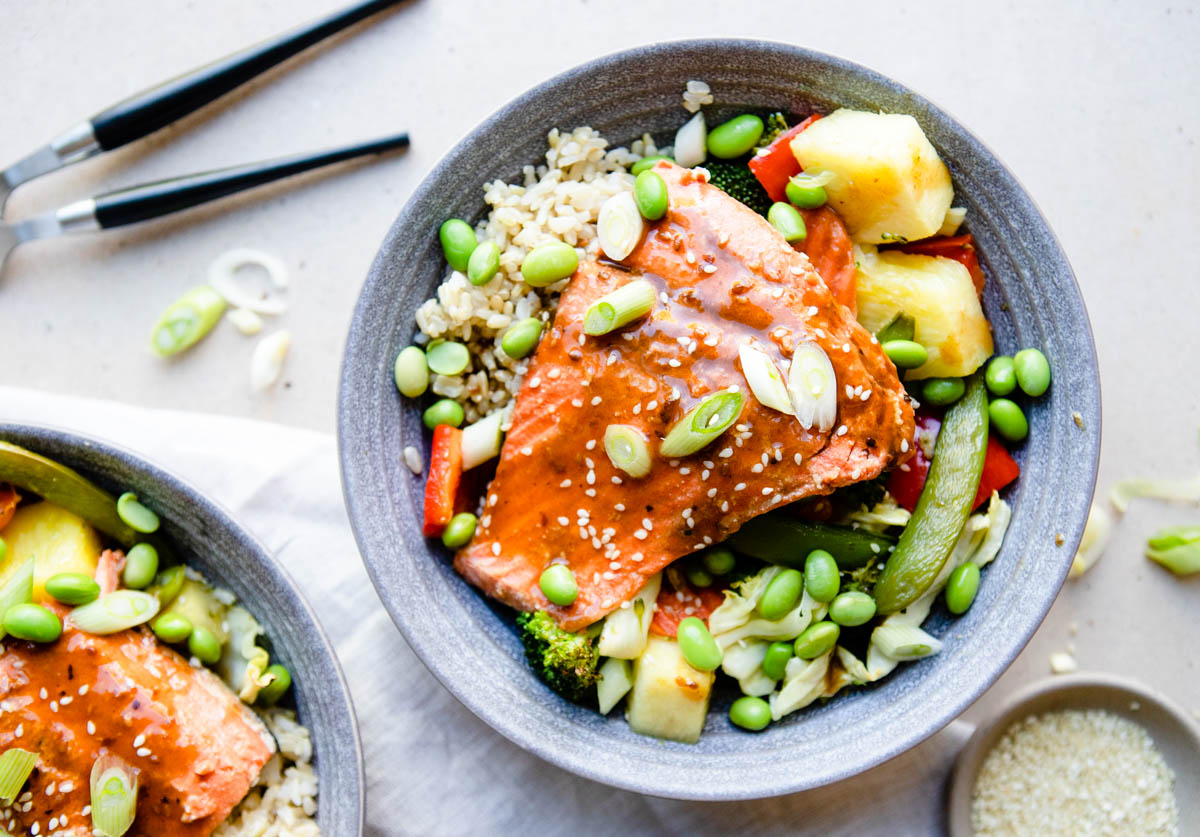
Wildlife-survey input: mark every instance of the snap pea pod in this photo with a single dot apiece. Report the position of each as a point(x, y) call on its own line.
point(779, 539)
point(944, 504)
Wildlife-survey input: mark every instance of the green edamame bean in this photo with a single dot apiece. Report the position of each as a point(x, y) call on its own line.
point(558, 584)
point(204, 645)
point(168, 584)
point(962, 587)
point(650, 194)
point(906, 354)
point(444, 411)
point(459, 530)
point(805, 197)
point(136, 516)
point(752, 713)
point(719, 560)
point(942, 392)
point(32, 622)
point(1033, 372)
point(735, 137)
point(699, 577)
point(1008, 419)
point(458, 243)
point(548, 263)
point(647, 163)
point(141, 565)
point(775, 663)
point(411, 372)
point(852, 608)
point(788, 220)
point(699, 648)
point(186, 321)
point(172, 627)
point(822, 579)
point(484, 263)
point(781, 594)
point(521, 337)
point(271, 693)
point(1001, 378)
point(445, 357)
point(817, 639)
point(73, 588)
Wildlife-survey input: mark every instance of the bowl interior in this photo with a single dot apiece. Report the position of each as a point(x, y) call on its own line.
point(206, 538)
point(1031, 299)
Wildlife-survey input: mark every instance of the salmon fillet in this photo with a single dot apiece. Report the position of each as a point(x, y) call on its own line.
point(724, 277)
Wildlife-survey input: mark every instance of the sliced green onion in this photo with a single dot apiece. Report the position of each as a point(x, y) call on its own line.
point(904, 642)
point(15, 766)
point(115, 612)
point(446, 357)
point(18, 589)
point(481, 440)
point(691, 142)
point(619, 308)
point(765, 380)
point(186, 321)
point(812, 385)
point(135, 515)
point(812, 181)
point(619, 226)
point(114, 787)
point(702, 424)
point(627, 449)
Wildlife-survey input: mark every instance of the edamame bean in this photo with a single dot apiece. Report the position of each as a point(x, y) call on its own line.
point(32, 622)
point(735, 137)
point(521, 337)
point(852, 608)
point(719, 560)
point(444, 411)
point(650, 194)
point(1001, 378)
point(172, 627)
point(445, 357)
point(204, 645)
point(272, 692)
point(817, 639)
point(136, 516)
point(459, 531)
point(73, 588)
point(647, 163)
point(458, 243)
point(752, 713)
point(906, 354)
point(775, 663)
point(699, 577)
point(1008, 419)
point(558, 584)
point(821, 576)
point(1033, 372)
point(483, 264)
point(942, 392)
point(141, 565)
point(805, 197)
point(788, 220)
point(781, 594)
point(698, 647)
point(411, 372)
point(548, 263)
point(962, 587)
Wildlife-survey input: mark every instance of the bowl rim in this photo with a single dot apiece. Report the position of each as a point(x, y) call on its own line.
point(217, 511)
point(349, 435)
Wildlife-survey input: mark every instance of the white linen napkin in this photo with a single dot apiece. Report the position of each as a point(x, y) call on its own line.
point(433, 767)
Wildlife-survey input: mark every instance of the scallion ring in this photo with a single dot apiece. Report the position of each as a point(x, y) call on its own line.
point(114, 787)
point(619, 226)
point(765, 379)
point(703, 423)
point(627, 449)
point(115, 612)
point(15, 766)
point(619, 308)
point(812, 384)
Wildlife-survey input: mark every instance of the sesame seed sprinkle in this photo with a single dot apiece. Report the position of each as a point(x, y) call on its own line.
point(565, 484)
point(591, 492)
point(740, 486)
point(564, 521)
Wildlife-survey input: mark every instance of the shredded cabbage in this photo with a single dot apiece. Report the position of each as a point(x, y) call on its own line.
point(736, 619)
point(803, 682)
point(243, 663)
point(884, 514)
point(1096, 533)
point(743, 662)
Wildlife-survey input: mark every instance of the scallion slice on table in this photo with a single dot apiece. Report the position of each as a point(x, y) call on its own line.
point(765, 380)
point(702, 424)
point(627, 449)
point(904, 642)
point(619, 226)
point(186, 320)
point(114, 787)
point(812, 385)
point(115, 612)
point(18, 589)
point(619, 308)
point(481, 440)
point(15, 766)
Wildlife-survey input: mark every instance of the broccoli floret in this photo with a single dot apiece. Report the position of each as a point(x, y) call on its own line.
point(773, 126)
point(565, 662)
point(734, 178)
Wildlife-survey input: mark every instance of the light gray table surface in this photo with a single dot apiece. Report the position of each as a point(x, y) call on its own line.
point(1093, 106)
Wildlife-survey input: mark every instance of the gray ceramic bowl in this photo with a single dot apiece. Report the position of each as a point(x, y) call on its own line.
point(208, 539)
point(1032, 299)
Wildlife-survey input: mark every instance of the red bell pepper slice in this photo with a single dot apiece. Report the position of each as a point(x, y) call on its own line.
point(8, 503)
point(776, 165)
point(445, 473)
point(831, 252)
point(999, 469)
point(961, 248)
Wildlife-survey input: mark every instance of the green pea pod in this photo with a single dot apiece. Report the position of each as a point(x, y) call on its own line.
point(944, 505)
point(186, 320)
point(779, 539)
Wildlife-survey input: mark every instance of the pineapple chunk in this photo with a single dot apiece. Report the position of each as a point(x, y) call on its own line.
point(940, 297)
point(669, 698)
point(57, 541)
point(889, 183)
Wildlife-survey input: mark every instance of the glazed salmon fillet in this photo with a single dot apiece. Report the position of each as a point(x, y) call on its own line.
point(197, 749)
point(724, 277)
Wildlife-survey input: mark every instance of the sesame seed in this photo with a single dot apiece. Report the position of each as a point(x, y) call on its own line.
point(91, 728)
point(83, 690)
point(712, 492)
point(739, 486)
point(591, 444)
point(641, 534)
point(66, 701)
point(616, 480)
point(596, 399)
point(552, 374)
point(54, 706)
point(689, 257)
point(619, 506)
point(647, 523)
point(712, 341)
point(725, 506)
point(796, 270)
point(709, 268)
point(43, 694)
point(19, 731)
point(576, 402)
point(845, 347)
point(565, 484)
point(139, 741)
point(653, 404)
point(591, 492)
point(685, 471)
point(587, 460)
point(849, 391)
point(704, 474)
point(564, 521)
point(904, 445)
point(495, 548)
point(143, 751)
point(590, 478)
point(66, 787)
point(757, 468)
point(768, 490)
point(866, 394)
point(596, 543)
point(843, 430)
point(527, 450)
point(726, 453)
